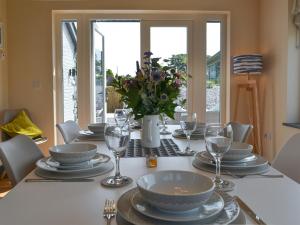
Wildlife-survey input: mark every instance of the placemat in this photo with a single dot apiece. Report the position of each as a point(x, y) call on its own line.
point(167, 148)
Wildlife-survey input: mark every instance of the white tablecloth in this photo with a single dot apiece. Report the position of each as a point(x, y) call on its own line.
point(276, 200)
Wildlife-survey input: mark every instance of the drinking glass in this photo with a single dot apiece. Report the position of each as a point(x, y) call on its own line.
point(117, 140)
point(218, 139)
point(188, 123)
point(164, 119)
point(121, 117)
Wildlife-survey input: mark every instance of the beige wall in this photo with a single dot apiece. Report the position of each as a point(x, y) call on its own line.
point(30, 47)
point(3, 62)
point(277, 43)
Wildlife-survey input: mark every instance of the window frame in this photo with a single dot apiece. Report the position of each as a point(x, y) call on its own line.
point(196, 21)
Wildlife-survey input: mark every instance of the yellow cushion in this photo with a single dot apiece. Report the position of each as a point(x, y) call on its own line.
point(21, 125)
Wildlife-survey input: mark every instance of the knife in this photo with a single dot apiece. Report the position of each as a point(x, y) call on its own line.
point(60, 180)
point(249, 211)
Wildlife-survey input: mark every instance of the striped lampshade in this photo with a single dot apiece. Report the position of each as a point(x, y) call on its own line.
point(247, 64)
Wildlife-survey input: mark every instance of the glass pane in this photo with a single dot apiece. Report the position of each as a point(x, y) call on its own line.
point(69, 67)
point(122, 45)
point(171, 43)
point(119, 44)
point(99, 72)
point(213, 56)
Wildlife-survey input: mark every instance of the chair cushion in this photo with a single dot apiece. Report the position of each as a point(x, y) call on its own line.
point(21, 125)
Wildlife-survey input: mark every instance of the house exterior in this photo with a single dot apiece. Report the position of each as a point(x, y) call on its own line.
point(213, 67)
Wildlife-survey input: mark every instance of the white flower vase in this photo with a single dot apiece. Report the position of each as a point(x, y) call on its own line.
point(150, 131)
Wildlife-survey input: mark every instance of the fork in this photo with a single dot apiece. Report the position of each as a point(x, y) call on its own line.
point(110, 211)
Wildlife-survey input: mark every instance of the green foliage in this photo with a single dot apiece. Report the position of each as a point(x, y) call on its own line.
point(109, 77)
point(179, 62)
point(212, 83)
point(154, 89)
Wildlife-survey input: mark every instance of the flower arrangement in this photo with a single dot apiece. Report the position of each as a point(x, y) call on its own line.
point(154, 90)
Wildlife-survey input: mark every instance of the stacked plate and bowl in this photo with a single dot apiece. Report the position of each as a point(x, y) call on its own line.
point(95, 132)
point(176, 197)
point(76, 160)
point(238, 161)
point(196, 135)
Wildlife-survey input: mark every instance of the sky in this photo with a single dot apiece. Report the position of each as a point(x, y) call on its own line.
point(122, 43)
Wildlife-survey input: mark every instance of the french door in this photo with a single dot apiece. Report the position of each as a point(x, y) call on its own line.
point(186, 38)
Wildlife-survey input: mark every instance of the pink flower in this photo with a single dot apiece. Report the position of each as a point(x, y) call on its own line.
point(178, 83)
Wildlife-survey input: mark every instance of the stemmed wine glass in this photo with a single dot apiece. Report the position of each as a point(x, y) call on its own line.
point(218, 139)
point(121, 117)
point(164, 122)
point(188, 123)
point(117, 140)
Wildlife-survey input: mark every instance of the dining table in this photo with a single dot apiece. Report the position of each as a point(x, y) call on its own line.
point(275, 200)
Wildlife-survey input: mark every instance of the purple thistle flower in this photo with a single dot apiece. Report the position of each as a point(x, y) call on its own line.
point(164, 97)
point(156, 75)
point(148, 54)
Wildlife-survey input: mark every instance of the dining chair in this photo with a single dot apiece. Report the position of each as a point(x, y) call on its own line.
point(287, 160)
point(69, 130)
point(241, 131)
point(19, 155)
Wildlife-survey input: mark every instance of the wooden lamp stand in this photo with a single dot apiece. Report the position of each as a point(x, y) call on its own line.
point(254, 113)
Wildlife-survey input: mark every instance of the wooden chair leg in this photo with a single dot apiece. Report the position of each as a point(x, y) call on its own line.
point(257, 119)
point(236, 103)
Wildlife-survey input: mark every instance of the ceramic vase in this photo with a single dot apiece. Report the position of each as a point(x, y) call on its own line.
point(150, 131)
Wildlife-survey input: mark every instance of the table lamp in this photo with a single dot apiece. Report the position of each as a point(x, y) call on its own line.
point(250, 65)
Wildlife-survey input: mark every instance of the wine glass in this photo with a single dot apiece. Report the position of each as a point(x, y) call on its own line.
point(117, 140)
point(121, 117)
point(218, 139)
point(188, 123)
point(164, 119)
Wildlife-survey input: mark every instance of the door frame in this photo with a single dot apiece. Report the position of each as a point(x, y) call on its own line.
point(196, 54)
point(145, 46)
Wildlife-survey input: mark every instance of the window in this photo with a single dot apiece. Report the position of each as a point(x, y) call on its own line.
point(109, 44)
point(213, 73)
point(69, 69)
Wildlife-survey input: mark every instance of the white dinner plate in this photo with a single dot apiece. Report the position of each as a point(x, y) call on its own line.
point(258, 162)
point(251, 157)
point(196, 132)
point(43, 165)
point(241, 219)
point(229, 213)
point(207, 211)
point(238, 172)
point(107, 167)
point(90, 136)
point(183, 136)
point(98, 158)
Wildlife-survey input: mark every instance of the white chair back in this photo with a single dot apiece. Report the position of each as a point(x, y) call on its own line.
point(19, 155)
point(288, 159)
point(241, 132)
point(69, 130)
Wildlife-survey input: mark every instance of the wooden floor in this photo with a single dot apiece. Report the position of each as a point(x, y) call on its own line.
point(5, 186)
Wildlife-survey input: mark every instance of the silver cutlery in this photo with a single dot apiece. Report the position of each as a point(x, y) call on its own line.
point(258, 175)
point(249, 211)
point(110, 211)
point(58, 180)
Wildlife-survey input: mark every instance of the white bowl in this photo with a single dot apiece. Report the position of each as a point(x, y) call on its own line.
point(238, 151)
point(73, 153)
point(175, 190)
point(97, 127)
